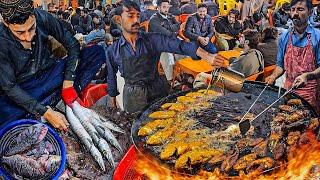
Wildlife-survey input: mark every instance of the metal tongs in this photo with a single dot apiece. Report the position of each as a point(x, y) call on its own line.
point(245, 124)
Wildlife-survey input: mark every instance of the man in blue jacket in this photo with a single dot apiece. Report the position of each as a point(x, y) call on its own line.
point(199, 28)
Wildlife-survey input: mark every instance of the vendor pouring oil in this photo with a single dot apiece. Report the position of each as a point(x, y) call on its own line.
point(31, 79)
point(299, 55)
point(137, 54)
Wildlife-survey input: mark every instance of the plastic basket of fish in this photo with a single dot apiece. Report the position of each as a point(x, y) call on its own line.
point(30, 150)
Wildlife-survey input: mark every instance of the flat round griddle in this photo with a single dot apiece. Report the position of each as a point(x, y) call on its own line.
point(262, 128)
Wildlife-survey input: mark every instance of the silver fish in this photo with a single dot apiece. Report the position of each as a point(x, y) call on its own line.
point(106, 151)
point(27, 139)
point(107, 134)
point(86, 121)
point(106, 122)
point(85, 138)
point(24, 166)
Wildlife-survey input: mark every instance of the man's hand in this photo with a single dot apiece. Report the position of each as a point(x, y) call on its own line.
point(212, 59)
point(113, 102)
point(301, 80)
point(270, 79)
point(202, 41)
point(56, 119)
point(67, 84)
point(207, 40)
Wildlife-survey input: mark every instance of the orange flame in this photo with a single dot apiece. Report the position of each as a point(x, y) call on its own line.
point(303, 163)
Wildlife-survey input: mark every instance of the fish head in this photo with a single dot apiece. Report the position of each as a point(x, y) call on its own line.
point(53, 163)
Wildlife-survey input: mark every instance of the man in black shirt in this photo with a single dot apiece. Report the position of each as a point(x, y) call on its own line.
point(228, 28)
point(31, 80)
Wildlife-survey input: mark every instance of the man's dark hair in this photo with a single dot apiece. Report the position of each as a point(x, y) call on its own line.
point(159, 2)
point(202, 5)
point(286, 6)
point(99, 8)
point(78, 10)
point(128, 4)
point(60, 12)
point(253, 36)
point(235, 12)
point(65, 15)
point(270, 33)
point(85, 11)
point(308, 3)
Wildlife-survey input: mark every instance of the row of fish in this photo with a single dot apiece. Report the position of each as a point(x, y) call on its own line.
point(94, 132)
point(30, 154)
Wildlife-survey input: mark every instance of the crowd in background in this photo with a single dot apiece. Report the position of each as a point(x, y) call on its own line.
point(215, 25)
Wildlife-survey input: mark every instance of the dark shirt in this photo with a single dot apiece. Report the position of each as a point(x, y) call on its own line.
point(189, 8)
point(146, 15)
point(195, 27)
point(68, 26)
point(75, 19)
point(159, 43)
point(168, 26)
point(280, 19)
point(212, 8)
point(19, 64)
point(86, 24)
point(269, 51)
point(223, 26)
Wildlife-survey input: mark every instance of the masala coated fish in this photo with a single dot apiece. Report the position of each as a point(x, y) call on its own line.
point(27, 139)
point(196, 157)
point(153, 126)
point(162, 114)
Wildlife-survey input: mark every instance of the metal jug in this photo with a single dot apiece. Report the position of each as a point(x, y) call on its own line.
point(228, 79)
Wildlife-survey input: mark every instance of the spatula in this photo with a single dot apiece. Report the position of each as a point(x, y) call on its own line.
point(245, 125)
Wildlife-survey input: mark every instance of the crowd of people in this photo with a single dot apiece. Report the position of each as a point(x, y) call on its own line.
point(44, 52)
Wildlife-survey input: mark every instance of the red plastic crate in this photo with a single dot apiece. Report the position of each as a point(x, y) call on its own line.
point(92, 93)
point(125, 169)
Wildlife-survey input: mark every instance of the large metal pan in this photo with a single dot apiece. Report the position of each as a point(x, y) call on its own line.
point(250, 87)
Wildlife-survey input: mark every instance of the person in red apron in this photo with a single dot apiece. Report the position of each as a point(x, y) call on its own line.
point(299, 55)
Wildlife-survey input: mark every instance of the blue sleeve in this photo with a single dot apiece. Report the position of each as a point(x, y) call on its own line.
point(112, 68)
point(162, 43)
point(282, 43)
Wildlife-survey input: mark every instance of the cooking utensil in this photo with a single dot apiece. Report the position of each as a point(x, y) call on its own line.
point(227, 79)
point(246, 124)
point(253, 103)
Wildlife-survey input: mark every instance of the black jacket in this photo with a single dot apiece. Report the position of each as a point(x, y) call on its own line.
point(223, 26)
point(19, 64)
point(168, 26)
point(195, 28)
point(146, 15)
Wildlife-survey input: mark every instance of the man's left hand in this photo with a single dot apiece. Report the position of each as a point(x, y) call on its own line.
point(301, 80)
